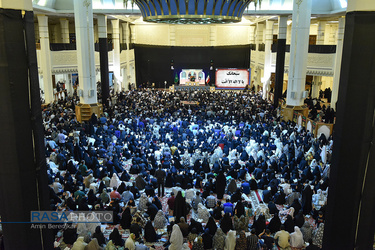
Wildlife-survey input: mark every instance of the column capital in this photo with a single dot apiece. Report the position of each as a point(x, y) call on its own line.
point(43, 26)
point(115, 29)
point(102, 26)
point(283, 24)
point(42, 20)
point(269, 24)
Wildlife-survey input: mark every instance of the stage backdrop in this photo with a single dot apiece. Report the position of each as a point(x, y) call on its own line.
point(232, 78)
point(161, 63)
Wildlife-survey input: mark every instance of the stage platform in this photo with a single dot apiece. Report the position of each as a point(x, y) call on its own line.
point(191, 88)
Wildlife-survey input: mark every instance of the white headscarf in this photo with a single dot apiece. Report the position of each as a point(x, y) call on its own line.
point(296, 238)
point(176, 238)
point(230, 241)
point(91, 225)
point(115, 181)
point(203, 213)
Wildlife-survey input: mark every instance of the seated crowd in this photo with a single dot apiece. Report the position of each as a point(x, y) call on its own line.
point(227, 173)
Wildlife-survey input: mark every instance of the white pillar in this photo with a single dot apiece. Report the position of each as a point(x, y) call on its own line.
point(298, 52)
point(321, 32)
point(83, 16)
point(259, 40)
point(267, 58)
point(45, 57)
point(316, 84)
point(64, 23)
point(124, 33)
point(252, 35)
point(102, 26)
point(336, 74)
point(96, 33)
point(260, 27)
point(69, 84)
point(332, 34)
point(126, 38)
point(288, 33)
point(116, 55)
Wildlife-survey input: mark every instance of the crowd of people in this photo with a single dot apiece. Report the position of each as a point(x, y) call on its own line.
point(226, 173)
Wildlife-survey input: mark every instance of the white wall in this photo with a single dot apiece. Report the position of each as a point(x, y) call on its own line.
point(192, 35)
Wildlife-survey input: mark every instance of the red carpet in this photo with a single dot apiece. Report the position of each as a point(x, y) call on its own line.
point(259, 198)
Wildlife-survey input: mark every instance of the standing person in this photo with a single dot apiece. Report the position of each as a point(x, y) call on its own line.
point(170, 203)
point(307, 200)
point(220, 185)
point(179, 207)
point(160, 177)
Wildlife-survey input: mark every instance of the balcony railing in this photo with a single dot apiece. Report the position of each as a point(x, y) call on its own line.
point(320, 49)
point(70, 46)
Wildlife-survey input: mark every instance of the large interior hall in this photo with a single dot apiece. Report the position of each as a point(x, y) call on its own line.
point(187, 124)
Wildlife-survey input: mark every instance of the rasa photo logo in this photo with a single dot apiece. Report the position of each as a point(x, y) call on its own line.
point(53, 217)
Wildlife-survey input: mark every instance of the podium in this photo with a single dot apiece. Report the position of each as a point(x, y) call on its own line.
point(84, 111)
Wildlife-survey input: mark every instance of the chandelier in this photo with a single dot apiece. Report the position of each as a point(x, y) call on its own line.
point(193, 11)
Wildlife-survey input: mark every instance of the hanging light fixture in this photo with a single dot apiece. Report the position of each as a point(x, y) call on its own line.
point(193, 11)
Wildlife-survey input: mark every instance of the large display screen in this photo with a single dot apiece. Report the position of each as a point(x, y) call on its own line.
point(232, 78)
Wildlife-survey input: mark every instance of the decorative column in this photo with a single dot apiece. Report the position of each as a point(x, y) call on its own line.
point(352, 172)
point(288, 33)
point(252, 54)
point(298, 52)
point(315, 87)
point(321, 31)
point(126, 40)
point(116, 55)
point(280, 59)
point(336, 73)
point(252, 35)
point(267, 58)
point(103, 53)
point(332, 34)
point(259, 40)
point(69, 84)
point(64, 24)
point(124, 33)
point(84, 26)
point(45, 56)
point(23, 167)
